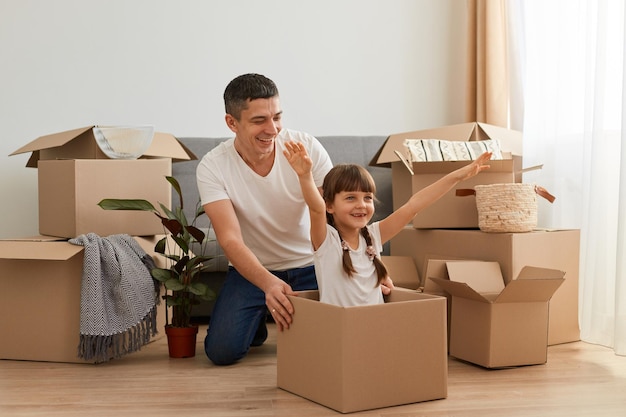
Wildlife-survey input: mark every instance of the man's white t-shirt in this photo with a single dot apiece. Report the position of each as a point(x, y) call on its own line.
point(272, 213)
point(335, 286)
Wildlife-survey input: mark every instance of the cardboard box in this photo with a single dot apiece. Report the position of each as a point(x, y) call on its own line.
point(450, 211)
point(436, 268)
point(554, 249)
point(402, 271)
point(494, 325)
point(40, 298)
point(81, 144)
point(74, 175)
point(70, 190)
point(332, 355)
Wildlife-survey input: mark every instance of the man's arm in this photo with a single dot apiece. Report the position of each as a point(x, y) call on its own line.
point(228, 234)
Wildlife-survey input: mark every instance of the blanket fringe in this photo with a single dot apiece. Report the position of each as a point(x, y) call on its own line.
point(103, 348)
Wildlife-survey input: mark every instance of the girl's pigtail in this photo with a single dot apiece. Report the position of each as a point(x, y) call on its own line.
point(381, 270)
point(347, 260)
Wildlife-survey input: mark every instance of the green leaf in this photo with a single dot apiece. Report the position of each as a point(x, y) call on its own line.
point(168, 213)
point(171, 301)
point(162, 275)
point(174, 285)
point(198, 288)
point(182, 243)
point(196, 233)
point(181, 264)
point(126, 204)
point(161, 245)
point(172, 225)
point(202, 290)
point(199, 211)
point(176, 187)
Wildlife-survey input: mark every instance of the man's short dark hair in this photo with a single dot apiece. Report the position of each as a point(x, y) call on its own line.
point(247, 87)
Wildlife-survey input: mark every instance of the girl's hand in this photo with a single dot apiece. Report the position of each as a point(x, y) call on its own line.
point(386, 285)
point(477, 166)
point(298, 157)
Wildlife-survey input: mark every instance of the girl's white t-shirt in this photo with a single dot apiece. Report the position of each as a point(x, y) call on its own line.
point(335, 286)
point(272, 214)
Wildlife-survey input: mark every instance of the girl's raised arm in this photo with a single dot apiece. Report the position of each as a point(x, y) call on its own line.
point(391, 226)
point(301, 163)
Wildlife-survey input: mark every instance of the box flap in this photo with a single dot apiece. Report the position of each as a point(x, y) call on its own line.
point(400, 294)
point(482, 276)
point(51, 141)
point(402, 271)
point(534, 272)
point(309, 294)
point(164, 145)
point(38, 250)
point(533, 284)
point(36, 238)
point(386, 155)
point(436, 268)
point(529, 290)
point(510, 140)
point(459, 289)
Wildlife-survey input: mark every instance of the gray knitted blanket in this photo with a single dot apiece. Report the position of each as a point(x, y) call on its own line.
point(118, 297)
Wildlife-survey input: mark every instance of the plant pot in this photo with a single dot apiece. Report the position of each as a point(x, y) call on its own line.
point(181, 341)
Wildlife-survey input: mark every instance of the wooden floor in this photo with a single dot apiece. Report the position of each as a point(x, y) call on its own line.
point(579, 379)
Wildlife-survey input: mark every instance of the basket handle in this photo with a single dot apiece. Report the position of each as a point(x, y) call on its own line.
point(542, 192)
point(464, 192)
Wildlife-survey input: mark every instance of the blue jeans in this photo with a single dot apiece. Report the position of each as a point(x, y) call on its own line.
point(238, 317)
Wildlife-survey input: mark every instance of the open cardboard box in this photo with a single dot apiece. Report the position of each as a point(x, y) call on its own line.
point(493, 325)
point(436, 268)
point(81, 144)
point(331, 355)
point(450, 211)
point(554, 249)
point(74, 175)
point(40, 298)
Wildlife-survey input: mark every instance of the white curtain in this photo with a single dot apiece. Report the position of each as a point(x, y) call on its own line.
point(570, 58)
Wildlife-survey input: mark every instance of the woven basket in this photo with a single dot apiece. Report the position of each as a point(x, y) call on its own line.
point(506, 207)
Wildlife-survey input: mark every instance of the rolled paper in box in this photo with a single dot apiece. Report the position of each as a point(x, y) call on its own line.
point(507, 208)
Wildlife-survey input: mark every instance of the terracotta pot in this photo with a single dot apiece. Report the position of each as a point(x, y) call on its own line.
point(181, 341)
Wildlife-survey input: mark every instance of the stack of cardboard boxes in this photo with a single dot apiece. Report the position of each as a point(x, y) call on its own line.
point(41, 275)
point(496, 300)
point(448, 231)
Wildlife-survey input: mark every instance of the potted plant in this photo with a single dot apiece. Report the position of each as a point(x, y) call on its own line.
point(181, 278)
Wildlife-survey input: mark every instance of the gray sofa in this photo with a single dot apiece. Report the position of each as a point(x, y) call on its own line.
point(342, 149)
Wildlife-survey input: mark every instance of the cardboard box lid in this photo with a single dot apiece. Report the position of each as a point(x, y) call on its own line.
point(533, 284)
point(436, 268)
point(37, 248)
point(482, 276)
point(510, 140)
point(164, 145)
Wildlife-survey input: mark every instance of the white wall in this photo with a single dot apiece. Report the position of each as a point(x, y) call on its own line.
point(343, 67)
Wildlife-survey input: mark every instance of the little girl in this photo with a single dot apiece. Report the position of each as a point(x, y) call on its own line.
point(346, 247)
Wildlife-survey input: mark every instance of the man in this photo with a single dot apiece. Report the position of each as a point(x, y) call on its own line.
point(259, 216)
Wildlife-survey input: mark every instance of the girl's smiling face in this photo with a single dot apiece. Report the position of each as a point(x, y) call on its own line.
point(352, 209)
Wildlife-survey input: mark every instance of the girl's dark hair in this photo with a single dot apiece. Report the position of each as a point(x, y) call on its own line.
point(247, 87)
point(351, 177)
